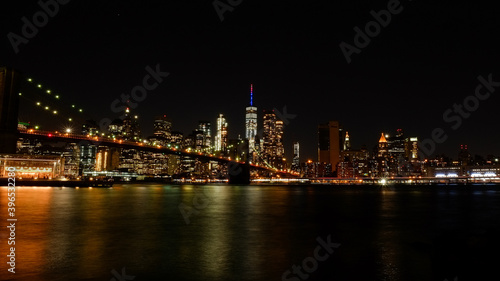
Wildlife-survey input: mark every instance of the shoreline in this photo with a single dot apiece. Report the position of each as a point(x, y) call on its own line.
point(107, 184)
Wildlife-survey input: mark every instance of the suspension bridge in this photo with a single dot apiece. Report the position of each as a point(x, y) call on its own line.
point(28, 101)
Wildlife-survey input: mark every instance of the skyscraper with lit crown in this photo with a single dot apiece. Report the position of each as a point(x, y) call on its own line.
point(251, 125)
point(131, 130)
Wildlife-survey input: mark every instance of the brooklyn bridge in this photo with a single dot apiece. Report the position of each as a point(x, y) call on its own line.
point(18, 93)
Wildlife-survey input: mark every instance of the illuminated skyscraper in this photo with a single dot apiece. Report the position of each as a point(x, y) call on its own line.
point(383, 160)
point(221, 136)
point(382, 146)
point(131, 130)
point(296, 157)
point(205, 127)
point(162, 127)
point(411, 149)
point(273, 150)
point(251, 125)
point(347, 142)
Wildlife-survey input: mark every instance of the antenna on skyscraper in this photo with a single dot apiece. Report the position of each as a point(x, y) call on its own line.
point(251, 94)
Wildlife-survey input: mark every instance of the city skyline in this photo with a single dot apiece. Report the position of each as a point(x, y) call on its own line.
point(223, 140)
point(369, 144)
point(405, 77)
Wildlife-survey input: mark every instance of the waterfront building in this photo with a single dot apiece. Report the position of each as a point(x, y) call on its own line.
point(88, 154)
point(107, 159)
point(32, 166)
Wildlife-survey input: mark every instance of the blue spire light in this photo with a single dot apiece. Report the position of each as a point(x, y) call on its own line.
point(251, 94)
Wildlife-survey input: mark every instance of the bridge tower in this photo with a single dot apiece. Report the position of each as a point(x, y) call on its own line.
point(239, 173)
point(9, 109)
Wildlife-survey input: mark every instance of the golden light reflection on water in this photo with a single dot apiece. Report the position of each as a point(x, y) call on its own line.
point(388, 237)
point(214, 249)
point(396, 248)
point(32, 209)
point(93, 213)
point(257, 232)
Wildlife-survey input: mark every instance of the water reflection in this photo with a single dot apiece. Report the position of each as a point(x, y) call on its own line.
point(251, 232)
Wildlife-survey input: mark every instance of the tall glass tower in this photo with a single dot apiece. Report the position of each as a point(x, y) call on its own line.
point(205, 127)
point(221, 136)
point(251, 125)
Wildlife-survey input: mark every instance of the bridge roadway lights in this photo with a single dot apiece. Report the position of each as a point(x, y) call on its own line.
point(238, 173)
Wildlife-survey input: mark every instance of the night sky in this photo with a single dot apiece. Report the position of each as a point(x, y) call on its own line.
point(426, 59)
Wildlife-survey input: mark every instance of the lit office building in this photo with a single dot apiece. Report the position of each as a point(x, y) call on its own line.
point(107, 159)
point(347, 142)
point(382, 157)
point(130, 159)
point(174, 161)
point(71, 156)
point(87, 157)
point(155, 164)
point(280, 149)
point(221, 136)
point(382, 147)
point(272, 145)
point(251, 125)
point(402, 153)
point(411, 149)
point(205, 127)
point(90, 127)
point(177, 139)
point(296, 157)
point(28, 146)
point(116, 128)
point(131, 129)
point(162, 127)
point(396, 144)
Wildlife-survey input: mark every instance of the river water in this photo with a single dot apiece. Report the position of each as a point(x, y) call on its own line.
point(224, 232)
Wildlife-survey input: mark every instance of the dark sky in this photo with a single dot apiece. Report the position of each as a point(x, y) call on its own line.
point(425, 60)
